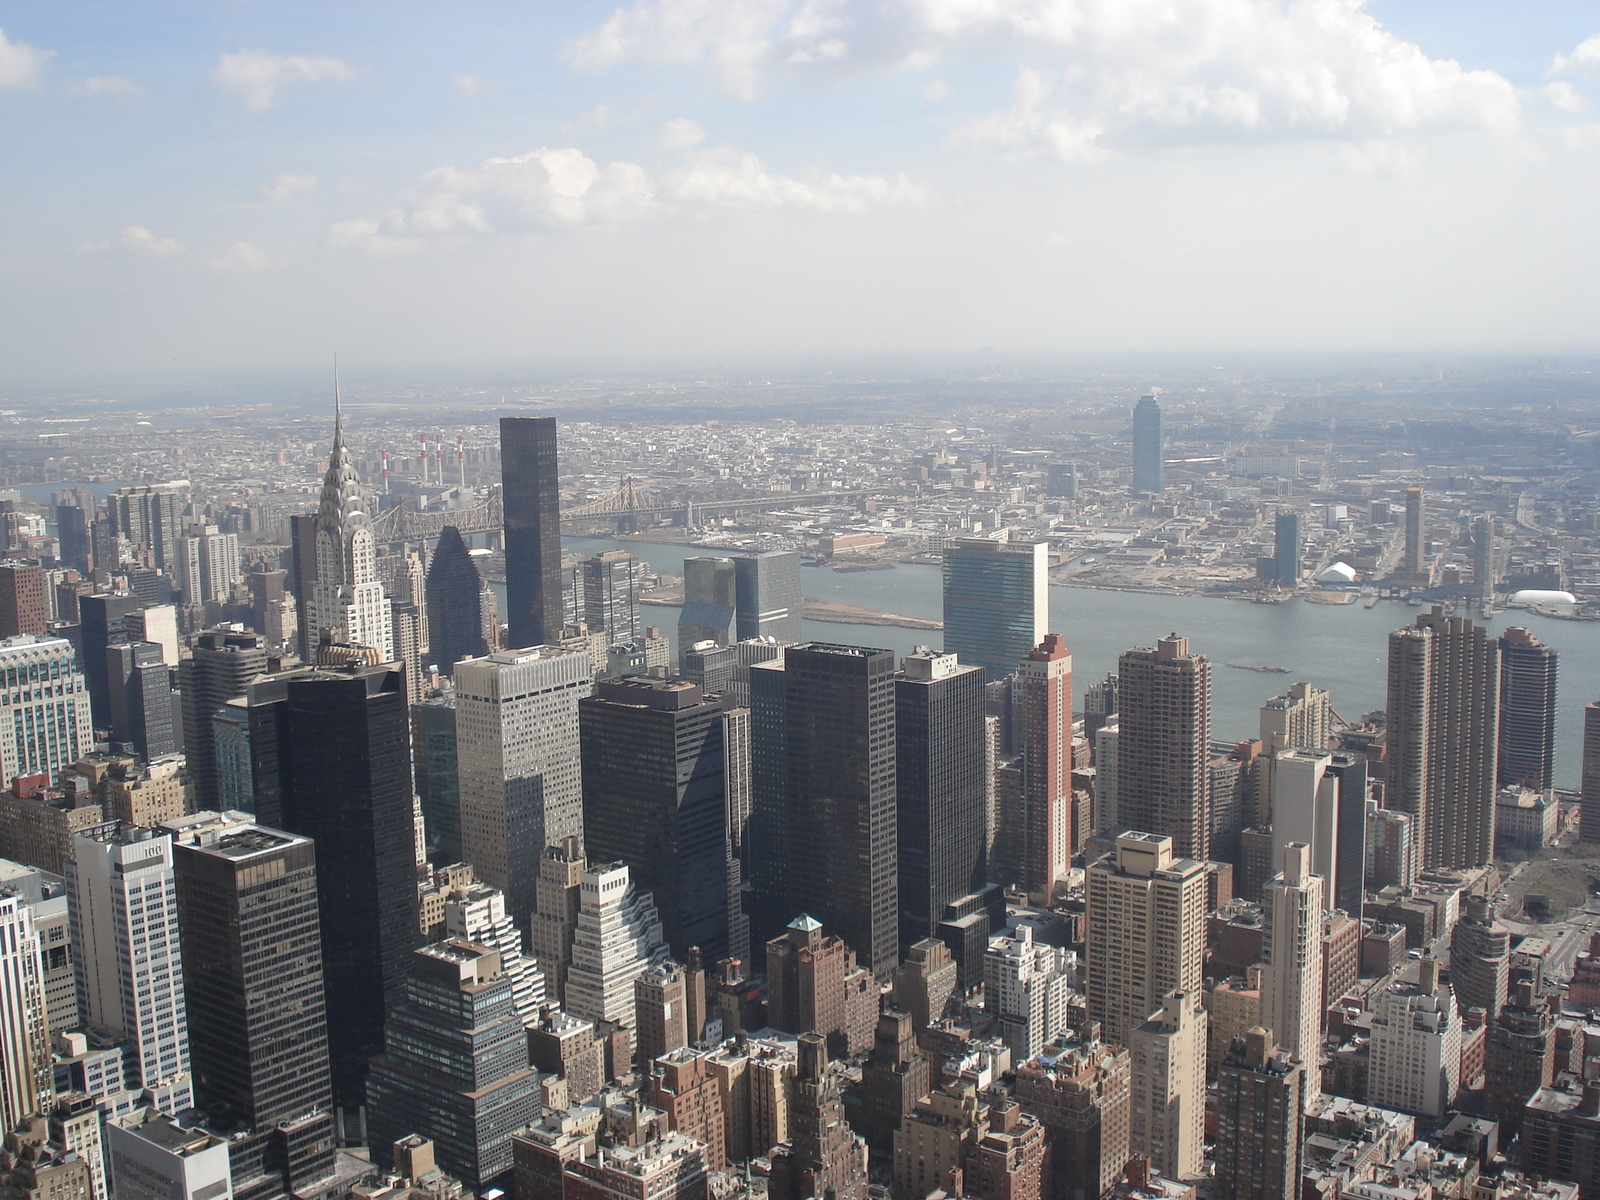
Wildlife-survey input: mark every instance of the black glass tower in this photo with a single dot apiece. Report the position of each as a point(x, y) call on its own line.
point(654, 798)
point(840, 719)
point(1286, 549)
point(940, 785)
point(767, 849)
point(330, 750)
point(100, 623)
point(530, 495)
point(433, 748)
point(258, 1035)
point(455, 611)
point(767, 595)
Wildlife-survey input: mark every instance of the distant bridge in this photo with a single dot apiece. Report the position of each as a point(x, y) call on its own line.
point(629, 502)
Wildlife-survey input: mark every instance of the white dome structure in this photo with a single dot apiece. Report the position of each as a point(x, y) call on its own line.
point(1339, 572)
point(1536, 596)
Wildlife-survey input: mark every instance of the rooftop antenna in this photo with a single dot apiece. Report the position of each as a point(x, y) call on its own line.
point(338, 413)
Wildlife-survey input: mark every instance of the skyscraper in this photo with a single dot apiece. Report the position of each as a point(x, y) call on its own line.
point(709, 601)
point(258, 1035)
point(1589, 825)
point(767, 596)
point(224, 661)
point(455, 1067)
point(518, 763)
point(996, 601)
point(477, 913)
point(455, 617)
point(45, 721)
point(839, 708)
point(1146, 917)
point(122, 894)
point(72, 530)
point(1414, 561)
point(1286, 549)
point(433, 749)
point(1416, 1045)
point(939, 773)
point(612, 581)
point(560, 898)
point(148, 515)
point(100, 624)
point(1168, 1052)
point(1291, 995)
point(1527, 710)
point(654, 797)
point(824, 1156)
point(1042, 715)
point(347, 603)
point(1483, 557)
point(1163, 748)
point(26, 1079)
point(532, 502)
point(141, 698)
point(1319, 799)
point(330, 747)
point(1480, 958)
point(618, 936)
point(23, 605)
point(1149, 447)
point(1443, 719)
point(1260, 1118)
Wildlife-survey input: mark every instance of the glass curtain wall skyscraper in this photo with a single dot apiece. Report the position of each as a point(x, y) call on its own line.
point(1149, 447)
point(531, 499)
point(767, 596)
point(996, 602)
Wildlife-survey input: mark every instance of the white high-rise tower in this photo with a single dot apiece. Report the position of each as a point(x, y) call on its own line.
point(123, 897)
point(1291, 998)
point(347, 598)
point(26, 1083)
point(617, 939)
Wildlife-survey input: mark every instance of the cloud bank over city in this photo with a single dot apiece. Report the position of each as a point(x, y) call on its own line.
point(692, 178)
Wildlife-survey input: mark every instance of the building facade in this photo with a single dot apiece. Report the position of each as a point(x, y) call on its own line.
point(531, 500)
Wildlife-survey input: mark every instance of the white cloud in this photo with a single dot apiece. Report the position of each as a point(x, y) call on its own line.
point(256, 77)
point(286, 187)
point(679, 134)
point(554, 187)
point(1585, 60)
point(21, 65)
point(136, 239)
point(114, 86)
point(370, 237)
point(1564, 96)
point(1123, 72)
point(241, 258)
point(1031, 127)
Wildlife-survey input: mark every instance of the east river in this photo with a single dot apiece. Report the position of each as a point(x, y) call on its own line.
point(1339, 647)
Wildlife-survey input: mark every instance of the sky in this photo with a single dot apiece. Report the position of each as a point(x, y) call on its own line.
point(244, 185)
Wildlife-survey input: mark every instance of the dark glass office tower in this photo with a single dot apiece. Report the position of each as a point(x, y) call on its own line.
point(1527, 710)
point(223, 663)
point(767, 596)
point(330, 747)
point(100, 622)
point(252, 966)
point(433, 749)
point(1286, 549)
point(72, 529)
point(708, 602)
point(941, 758)
point(455, 616)
point(654, 798)
point(531, 498)
point(840, 713)
point(456, 1067)
point(1149, 447)
point(767, 850)
point(303, 574)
